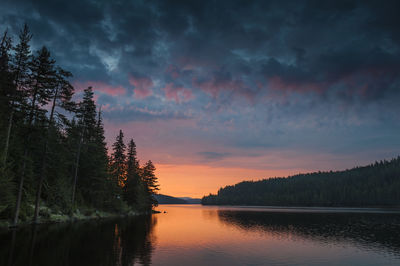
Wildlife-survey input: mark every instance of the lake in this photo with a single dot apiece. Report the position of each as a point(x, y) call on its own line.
point(212, 235)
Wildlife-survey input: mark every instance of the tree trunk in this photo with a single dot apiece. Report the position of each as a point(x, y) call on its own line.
point(42, 175)
point(21, 181)
point(20, 188)
point(10, 122)
point(76, 168)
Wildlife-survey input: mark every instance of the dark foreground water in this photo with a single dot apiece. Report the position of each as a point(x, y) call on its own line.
point(197, 235)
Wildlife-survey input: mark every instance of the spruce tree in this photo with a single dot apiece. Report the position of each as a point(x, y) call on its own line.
point(41, 80)
point(150, 180)
point(7, 90)
point(42, 148)
point(118, 157)
point(20, 69)
point(61, 93)
point(132, 174)
point(86, 113)
point(19, 75)
point(102, 195)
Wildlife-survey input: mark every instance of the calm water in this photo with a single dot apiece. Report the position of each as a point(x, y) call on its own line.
point(197, 235)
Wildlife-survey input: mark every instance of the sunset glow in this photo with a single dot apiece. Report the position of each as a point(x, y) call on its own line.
point(215, 93)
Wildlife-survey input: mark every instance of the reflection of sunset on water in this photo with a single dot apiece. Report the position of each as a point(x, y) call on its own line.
point(199, 235)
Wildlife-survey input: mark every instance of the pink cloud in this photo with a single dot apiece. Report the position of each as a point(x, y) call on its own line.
point(214, 86)
point(143, 86)
point(99, 86)
point(177, 93)
point(357, 83)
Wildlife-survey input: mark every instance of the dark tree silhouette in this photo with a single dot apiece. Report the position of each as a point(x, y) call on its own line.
point(132, 174)
point(118, 158)
point(374, 185)
point(48, 141)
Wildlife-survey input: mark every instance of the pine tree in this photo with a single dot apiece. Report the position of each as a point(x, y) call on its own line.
point(150, 180)
point(20, 69)
point(7, 89)
point(61, 93)
point(102, 195)
point(86, 114)
point(44, 148)
point(42, 82)
point(132, 175)
point(118, 157)
point(19, 75)
point(42, 79)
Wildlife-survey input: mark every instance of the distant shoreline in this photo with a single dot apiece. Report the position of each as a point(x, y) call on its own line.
point(373, 186)
point(335, 209)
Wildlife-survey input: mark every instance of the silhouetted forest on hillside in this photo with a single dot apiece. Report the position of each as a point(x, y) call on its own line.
point(165, 199)
point(377, 184)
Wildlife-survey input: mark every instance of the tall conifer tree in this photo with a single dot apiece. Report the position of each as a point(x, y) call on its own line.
point(118, 157)
point(132, 174)
point(20, 70)
point(150, 181)
point(86, 114)
point(61, 93)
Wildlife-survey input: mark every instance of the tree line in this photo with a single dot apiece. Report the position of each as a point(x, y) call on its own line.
point(54, 152)
point(377, 184)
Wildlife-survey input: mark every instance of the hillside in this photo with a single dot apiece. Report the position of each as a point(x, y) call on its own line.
point(190, 200)
point(165, 199)
point(377, 184)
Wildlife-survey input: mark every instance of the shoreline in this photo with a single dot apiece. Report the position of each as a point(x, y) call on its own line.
point(5, 225)
point(308, 209)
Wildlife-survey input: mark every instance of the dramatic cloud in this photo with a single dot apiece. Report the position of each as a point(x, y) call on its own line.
point(143, 86)
point(177, 93)
point(100, 87)
point(231, 79)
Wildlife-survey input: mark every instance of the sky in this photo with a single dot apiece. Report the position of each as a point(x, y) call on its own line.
point(216, 92)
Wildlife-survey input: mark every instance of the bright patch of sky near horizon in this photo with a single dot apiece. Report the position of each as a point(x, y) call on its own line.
point(215, 92)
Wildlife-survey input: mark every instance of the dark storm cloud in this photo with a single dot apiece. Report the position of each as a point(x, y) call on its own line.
point(248, 75)
point(284, 45)
point(339, 51)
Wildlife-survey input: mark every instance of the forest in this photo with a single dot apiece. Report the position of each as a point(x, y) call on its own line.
point(375, 185)
point(54, 159)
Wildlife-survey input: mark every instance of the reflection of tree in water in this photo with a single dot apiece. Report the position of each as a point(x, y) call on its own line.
point(137, 241)
point(123, 242)
point(209, 214)
point(371, 230)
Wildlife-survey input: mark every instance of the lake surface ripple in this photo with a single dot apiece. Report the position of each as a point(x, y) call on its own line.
point(214, 235)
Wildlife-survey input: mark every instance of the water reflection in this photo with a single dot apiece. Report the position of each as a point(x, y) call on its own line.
point(210, 235)
point(123, 242)
point(378, 231)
